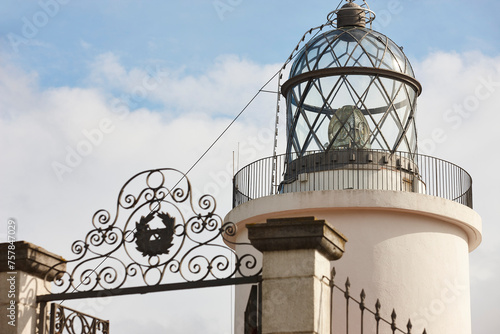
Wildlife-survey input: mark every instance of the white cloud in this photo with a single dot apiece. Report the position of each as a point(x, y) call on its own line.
point(460, 96)
point(17, 88)
point(458, 122)
point(85, 45)
point(223, 89)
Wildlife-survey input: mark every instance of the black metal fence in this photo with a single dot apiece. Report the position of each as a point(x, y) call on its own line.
point(352, 169)
point(371, 320)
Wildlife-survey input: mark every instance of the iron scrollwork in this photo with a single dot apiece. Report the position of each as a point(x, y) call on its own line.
point(164, 237)
point(66, 320)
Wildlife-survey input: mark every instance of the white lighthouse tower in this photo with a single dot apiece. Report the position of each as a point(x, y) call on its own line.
point(352, 159)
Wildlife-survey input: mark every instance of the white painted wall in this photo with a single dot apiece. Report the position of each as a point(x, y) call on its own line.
point(408, 249)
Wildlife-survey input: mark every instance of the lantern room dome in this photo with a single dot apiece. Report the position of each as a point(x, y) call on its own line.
point(351, 46)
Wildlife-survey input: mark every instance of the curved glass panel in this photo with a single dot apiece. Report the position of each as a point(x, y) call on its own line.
point(351, 46)
point(381, 108)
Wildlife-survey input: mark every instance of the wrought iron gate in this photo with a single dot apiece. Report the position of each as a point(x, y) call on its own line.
point(64, 320)
point(253, 311)
point(160, 238)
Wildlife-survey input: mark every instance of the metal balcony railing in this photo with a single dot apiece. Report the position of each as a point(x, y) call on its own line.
point(352, 169)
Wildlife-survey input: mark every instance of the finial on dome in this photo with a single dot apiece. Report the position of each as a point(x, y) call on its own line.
point(351, 14)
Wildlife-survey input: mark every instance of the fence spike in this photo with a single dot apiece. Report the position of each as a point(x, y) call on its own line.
point(377, 308)
point(362, 296)
point(393, 317)
point(424, 332)
point(347, 286)
point(409, 326)
point(332, 278)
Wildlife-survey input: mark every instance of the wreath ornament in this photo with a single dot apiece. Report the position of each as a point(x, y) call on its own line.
point(152, 242)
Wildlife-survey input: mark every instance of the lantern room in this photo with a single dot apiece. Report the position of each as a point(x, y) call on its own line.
point(351, 88)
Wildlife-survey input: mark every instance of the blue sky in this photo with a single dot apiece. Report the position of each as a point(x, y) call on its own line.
point(65, 64)
point(191, 34)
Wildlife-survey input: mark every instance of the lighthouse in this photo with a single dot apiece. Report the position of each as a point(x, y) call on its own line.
point(352, 159)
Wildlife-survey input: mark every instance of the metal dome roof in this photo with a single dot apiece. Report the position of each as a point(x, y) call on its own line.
point(351, 47)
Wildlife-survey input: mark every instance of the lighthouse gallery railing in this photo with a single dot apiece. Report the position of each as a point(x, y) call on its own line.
point(352, 169)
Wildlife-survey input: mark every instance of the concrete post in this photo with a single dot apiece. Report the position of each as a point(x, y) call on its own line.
point(296, 268)
point(23, 267)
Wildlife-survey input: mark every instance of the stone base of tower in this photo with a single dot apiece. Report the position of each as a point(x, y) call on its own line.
point(409, 250)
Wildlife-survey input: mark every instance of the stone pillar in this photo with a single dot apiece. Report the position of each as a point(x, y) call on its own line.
point(296, 271)
point(23, 268)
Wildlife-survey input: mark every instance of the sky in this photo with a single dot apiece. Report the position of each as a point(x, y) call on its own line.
point(160, 80)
